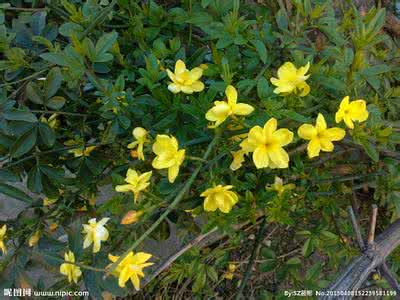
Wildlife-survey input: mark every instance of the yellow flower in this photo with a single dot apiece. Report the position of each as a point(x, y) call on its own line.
point(184, 80)
point(72, 271)
point(136, 183)
point(320, 136)
point(2, 237)
point(131, 267)
point(219, 197)
point(53, 226)
point(51, 121)
point(223, 109)
point(131, 216)
point(168, 155)
point(79, 151)
point(95, 233)
point(351, 111)
point(140, 135)
point(279, 187)
point(34, 239)
point(266, 144)
point(49, 201)
point(290, 79)
point(203, 66)
point(231, 269)
point(238, 159)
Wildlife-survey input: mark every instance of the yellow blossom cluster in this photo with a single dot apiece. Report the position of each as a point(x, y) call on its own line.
point(266, 145)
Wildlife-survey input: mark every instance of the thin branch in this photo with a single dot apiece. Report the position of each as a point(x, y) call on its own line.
point(256, 247)
point(372, 225)
point(390, 277)
point(176, 255)
point(356, 229)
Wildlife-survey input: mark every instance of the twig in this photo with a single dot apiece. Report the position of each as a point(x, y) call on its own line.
point(176, 255)
point(356, 229)
point(372, 225)
point(83, 266)
point(99, 18)
point(390, 277)
point(60, 113)
point(252, 258)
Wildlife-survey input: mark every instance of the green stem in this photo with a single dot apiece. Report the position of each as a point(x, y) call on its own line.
point(34, 75)
point(174, 203)
point(246, 92)
point(196, 158)
point(99, 18)
point(83, 266)
point(348, 178)
point(24, 9)
point(52, 151)
point(60, 113)
point(257, 242)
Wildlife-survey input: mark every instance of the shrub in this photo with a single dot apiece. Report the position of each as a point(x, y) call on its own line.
point(203, 117)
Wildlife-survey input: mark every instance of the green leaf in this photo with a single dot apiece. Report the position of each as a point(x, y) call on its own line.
point(261, 50)
point(295, 116)
point(268, 265)
point(105, 43)
point(46, 134)
point(20, 115)
point(281, 19)
point(56, 102)
point(6, 175)
point(34, 93)
point(307, 248)
point(24, 143)
point(294, 261)
point(35, 180)
point(56, 58)
point(212, 274)
point(93, 283)
point(200, 281)
point(263, 88)
point(53, 82)
point(371, 150)
point(268, 253)
point(15, 193)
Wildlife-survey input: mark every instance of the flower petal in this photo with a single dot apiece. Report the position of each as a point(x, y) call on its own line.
point(287, 70)
point(307, 131)
point(269, 128)
point(173, 173)
point(141, 257)
point(195, 74)
point(260, 157)
point(304, 87)
point(283, 136)
point(210, 204)
point(242, 109)
point(255, 137)
point(231, 94)
point(175, 88)
point(180, 67)
point(320, 124)
point(124, 188)
point(279, 157)
point(197, 86)
point(313, 148)
point(334, 134)
point(326, 145)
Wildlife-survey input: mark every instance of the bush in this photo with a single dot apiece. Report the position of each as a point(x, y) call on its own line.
point(249, 126)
